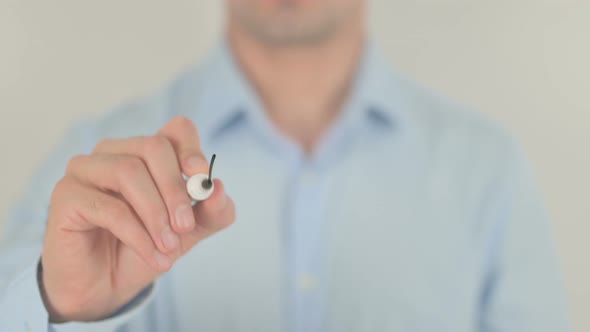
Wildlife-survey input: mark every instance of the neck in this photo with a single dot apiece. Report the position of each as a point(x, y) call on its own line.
point(302, 88)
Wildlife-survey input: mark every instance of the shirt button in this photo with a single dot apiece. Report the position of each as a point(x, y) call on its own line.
point(307, 282)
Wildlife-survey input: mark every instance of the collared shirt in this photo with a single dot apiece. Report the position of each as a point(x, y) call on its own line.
point(411, 215)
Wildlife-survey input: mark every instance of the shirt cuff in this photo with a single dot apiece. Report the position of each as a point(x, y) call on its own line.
point(23, 309)
point(21, 304)
point(116, 320)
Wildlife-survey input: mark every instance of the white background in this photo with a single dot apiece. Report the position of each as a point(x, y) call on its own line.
point(525, 62)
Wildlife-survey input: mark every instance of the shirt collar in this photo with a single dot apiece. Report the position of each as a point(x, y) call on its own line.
point(375, 91)
point(225, 96)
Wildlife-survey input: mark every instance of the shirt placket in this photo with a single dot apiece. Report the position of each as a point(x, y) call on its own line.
point(305, 249)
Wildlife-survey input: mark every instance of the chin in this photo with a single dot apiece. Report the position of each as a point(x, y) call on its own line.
point(290, 22)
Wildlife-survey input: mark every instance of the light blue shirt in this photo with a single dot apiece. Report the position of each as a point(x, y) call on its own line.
point(412, 215)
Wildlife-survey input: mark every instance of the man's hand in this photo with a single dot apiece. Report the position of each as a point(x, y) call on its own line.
point(121, 216)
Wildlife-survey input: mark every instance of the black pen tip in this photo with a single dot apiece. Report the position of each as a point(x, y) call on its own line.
point(207, 184)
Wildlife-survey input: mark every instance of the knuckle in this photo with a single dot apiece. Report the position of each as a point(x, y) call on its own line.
point(130, 167)
point(63, 186)
point(156, 145)
point(75, 162)
point(182, 123)
point(64, 195)
point(62, 202)
point(102, 145)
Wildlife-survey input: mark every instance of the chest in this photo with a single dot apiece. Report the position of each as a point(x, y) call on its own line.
point(398, 249)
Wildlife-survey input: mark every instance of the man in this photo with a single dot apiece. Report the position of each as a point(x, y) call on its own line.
point(363, 203)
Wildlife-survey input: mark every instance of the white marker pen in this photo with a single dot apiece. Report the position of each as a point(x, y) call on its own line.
point(200, 186)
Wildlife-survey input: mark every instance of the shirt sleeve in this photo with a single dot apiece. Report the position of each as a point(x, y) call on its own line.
point(116, 320)
point(523, 288)
point(21, 305)
point(23, 309)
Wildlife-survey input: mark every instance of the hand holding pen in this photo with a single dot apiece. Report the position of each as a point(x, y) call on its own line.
point(121, 216)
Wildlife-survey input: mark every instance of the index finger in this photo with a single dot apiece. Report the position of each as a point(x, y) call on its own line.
point(183, 135)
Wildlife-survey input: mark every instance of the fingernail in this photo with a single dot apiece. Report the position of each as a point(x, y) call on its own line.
point(169, 238)
point(184, 217)
point(162, 260)
point(195, 163)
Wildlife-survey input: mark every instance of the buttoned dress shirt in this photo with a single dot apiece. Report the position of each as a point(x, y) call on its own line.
point(412, 214)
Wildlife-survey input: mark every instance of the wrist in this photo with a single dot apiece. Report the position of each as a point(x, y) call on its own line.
point(60, 309)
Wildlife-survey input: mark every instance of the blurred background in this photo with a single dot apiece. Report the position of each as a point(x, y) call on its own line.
point(524, 62)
